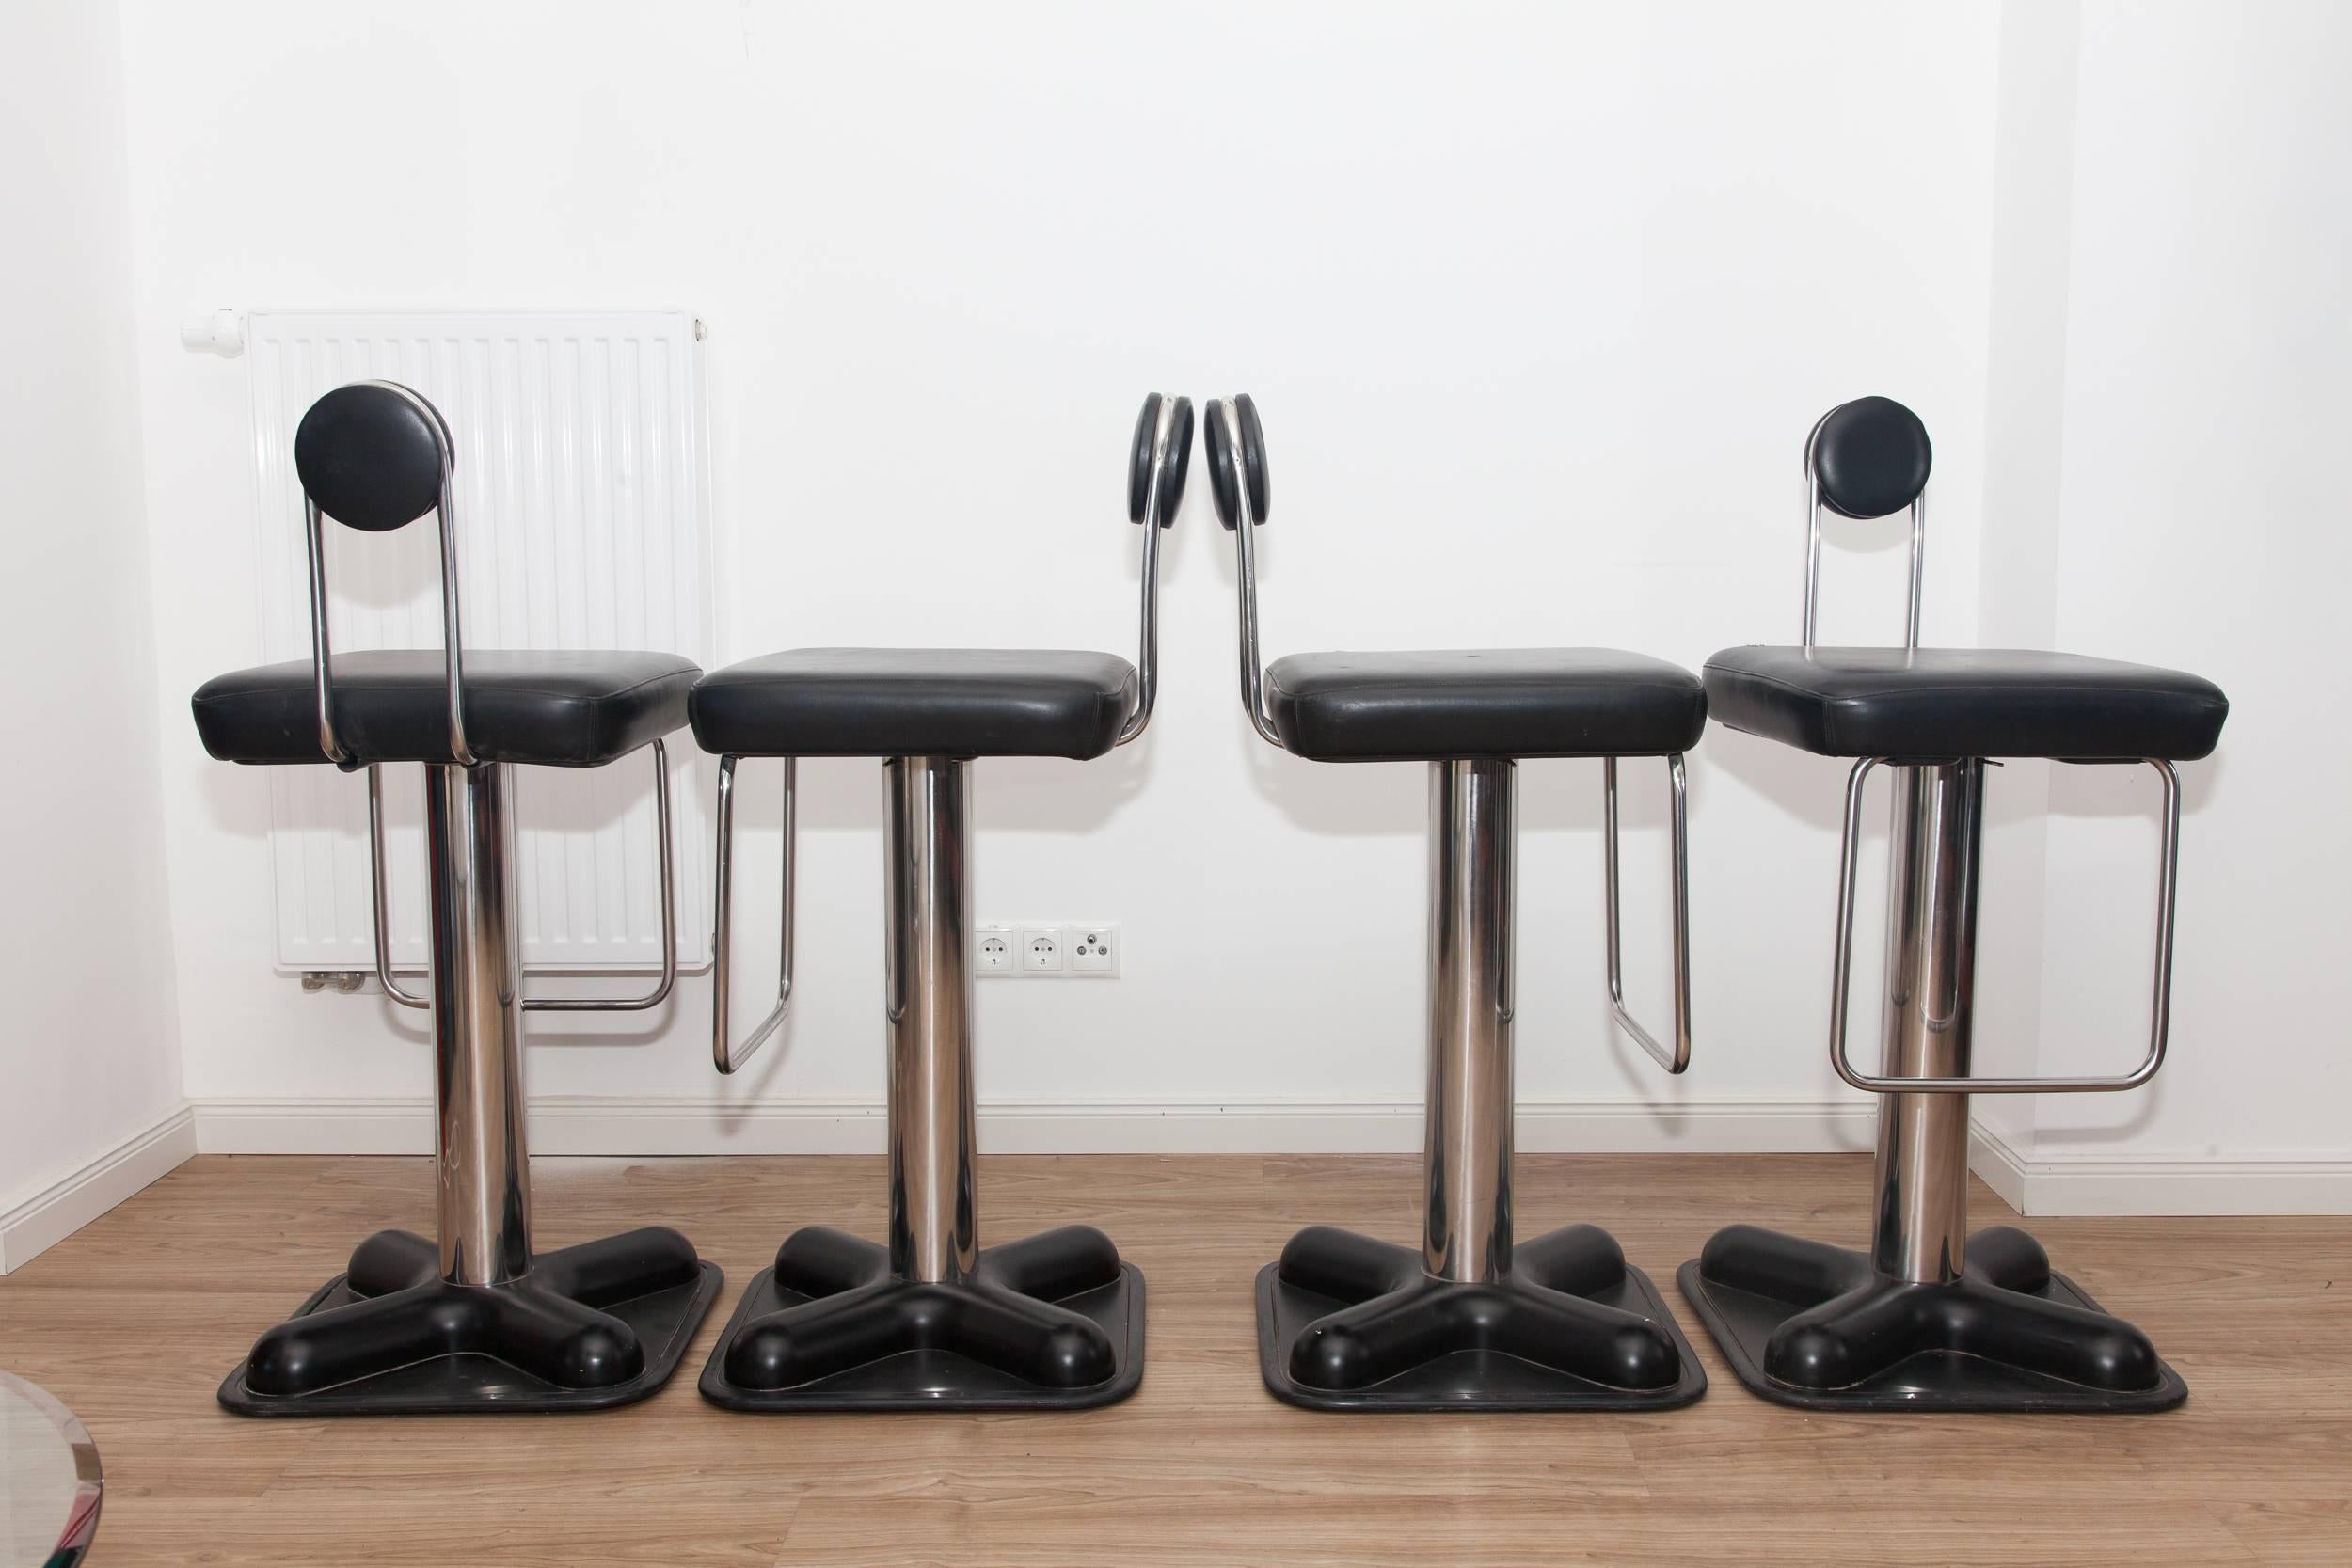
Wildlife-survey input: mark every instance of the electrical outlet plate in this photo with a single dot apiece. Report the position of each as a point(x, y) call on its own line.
point(1046, 950)
point(1040, 952)
point(1093, 950)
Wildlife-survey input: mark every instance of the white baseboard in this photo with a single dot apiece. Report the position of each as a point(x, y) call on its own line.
point(48, 1217)
point(687, 1125)
point(1997, 1163)
point(2073, 1184)
point(2063, 1186)
point(599, 1125)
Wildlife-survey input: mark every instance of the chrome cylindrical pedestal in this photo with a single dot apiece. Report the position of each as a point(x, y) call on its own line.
point(483, 1174)
point(1467, 1159)
point(934, 1227)
point(1921, 1227)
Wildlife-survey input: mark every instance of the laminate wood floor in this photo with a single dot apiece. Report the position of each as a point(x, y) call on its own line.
point(135, 1320)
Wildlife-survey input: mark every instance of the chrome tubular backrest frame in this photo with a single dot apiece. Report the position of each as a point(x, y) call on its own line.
point(1148, 654)
point(320, 684)
point(1813, 550)
point(445, 511)
point(2160, 1008)
point(1244, 544)
point(460, 748)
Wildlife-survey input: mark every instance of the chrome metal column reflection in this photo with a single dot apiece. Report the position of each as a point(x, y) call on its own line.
point(1467, 1156)
point(933, 1228)
point(1922, 1223)
point(483, 1177)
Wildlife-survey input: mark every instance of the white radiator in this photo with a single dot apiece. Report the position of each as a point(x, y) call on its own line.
point(583, 521)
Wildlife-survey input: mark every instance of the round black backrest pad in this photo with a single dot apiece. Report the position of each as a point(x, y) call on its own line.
point(1179, 459)
point(1139, 458)
point(1871, 457)
point(1178, 462)
point(370, 454)
point(1253, 462)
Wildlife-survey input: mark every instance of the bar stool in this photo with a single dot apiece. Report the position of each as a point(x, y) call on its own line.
point(1467, 1320)
point(475, 1321)
point(928, 1320)
point(1931, 1317)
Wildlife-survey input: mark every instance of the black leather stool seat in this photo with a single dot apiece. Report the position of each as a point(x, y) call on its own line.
point(916, 701)
point(552, 708)
point(1940, 703)
point(1483, 703)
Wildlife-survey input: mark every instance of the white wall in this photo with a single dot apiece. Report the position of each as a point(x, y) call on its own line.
point(90, 1050)
point(2206, 405)
point(1539, 302)
point(2024, 433)
point(1604, 269)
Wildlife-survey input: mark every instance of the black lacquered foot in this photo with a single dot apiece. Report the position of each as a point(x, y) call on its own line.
point(1055, 1319)
point(598, 1324)
point(1346, 1322)
point(1809, 1324)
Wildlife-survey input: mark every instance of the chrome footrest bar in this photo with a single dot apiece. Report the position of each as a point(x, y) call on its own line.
point(653, 998)
point(724, 1055)
point(2160, 1001)
point(1678, 1058)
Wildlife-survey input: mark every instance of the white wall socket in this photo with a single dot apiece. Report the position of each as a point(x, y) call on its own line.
point(1046, 950)
point(1040, 951)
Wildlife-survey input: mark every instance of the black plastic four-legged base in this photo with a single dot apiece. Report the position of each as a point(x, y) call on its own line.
point(1347, 1322)
point(1809, 1324)
point(1054, 1320)
point(590, 1326)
